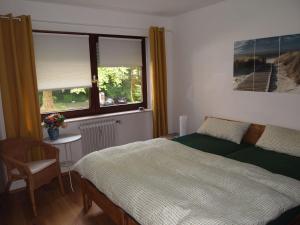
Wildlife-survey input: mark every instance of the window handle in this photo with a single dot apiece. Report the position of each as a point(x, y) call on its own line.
point(94, 80)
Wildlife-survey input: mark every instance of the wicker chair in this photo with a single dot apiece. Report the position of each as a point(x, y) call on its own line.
point(16, 155)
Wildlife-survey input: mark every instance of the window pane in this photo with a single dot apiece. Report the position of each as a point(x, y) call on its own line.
point(62, 61)
point(120, 85)
point(64, 100)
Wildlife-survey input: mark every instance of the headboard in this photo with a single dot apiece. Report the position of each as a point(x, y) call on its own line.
point(253, 133)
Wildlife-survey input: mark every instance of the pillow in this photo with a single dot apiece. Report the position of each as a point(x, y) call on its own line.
point(280, 139)
point(224, 129)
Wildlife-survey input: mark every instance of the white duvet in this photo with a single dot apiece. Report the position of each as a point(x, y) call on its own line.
point(161, 182)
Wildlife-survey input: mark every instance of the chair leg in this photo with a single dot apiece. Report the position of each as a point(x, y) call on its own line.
point(32, 198)
point(87, 203)
point(61, 185)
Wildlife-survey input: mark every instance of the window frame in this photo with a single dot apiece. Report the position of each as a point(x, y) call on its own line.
point(94, 103)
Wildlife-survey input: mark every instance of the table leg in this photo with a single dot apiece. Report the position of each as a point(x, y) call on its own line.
point(66, 153)
point(67, 149)
point(70, 178)
point(70, 151)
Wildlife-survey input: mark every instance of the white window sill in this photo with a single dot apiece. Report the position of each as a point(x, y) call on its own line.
point(106, 115)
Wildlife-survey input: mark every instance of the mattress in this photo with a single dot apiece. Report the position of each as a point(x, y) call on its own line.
point(274, 162)
point(170, 183)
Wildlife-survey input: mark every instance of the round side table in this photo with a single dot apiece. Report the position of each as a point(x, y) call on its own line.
point(66, 140)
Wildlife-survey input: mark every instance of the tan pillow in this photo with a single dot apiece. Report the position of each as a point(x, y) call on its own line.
point(224, 129)
point(280, 139)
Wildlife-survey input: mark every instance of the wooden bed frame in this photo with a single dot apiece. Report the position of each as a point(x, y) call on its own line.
point(118, 215)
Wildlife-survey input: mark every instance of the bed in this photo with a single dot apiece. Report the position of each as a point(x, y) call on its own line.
point(239, 154)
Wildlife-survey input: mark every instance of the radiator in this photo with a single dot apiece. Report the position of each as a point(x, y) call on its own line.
point(97, 135)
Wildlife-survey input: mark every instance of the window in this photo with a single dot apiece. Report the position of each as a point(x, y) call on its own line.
point(119, 71)
point(63, 71)
point(82, 74)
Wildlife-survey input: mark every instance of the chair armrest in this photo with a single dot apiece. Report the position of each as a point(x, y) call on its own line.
point(21, 166)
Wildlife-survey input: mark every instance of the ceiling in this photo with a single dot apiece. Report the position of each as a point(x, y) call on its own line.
point(152, 7)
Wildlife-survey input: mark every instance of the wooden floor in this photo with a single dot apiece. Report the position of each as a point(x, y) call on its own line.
point(53, 209)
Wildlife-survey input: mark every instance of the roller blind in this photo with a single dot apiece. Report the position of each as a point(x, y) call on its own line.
point(62, 61)
point(115, 52)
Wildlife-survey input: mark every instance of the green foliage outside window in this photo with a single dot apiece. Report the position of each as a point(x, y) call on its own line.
point(117, 83)
point(64, 99)
point(121, 83)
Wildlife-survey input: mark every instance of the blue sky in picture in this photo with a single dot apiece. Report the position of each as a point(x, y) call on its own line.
point(244, 47)
point(268, 46)
point(290, 43)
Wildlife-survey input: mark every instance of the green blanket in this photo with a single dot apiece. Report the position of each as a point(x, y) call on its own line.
point(275, 162)
point(210, 144)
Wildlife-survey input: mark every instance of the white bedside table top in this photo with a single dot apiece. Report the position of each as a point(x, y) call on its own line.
point(63, 139)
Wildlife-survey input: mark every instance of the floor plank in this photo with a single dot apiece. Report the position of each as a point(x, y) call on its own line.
point(53, 209)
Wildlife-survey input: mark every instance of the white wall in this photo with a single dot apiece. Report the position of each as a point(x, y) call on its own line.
point(203, 64)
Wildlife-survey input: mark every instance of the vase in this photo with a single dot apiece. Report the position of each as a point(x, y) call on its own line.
point(53, 133)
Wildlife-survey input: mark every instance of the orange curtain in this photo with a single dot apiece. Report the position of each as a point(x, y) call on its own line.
point(158, 73)
point(18, 82)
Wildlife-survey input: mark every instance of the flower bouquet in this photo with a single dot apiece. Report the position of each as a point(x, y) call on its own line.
point(52, 123)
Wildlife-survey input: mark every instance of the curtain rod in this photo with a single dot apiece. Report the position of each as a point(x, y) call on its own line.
point(94, 25)
point(14, 18)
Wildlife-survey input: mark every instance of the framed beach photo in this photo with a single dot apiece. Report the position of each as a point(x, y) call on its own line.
point(268, 64)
